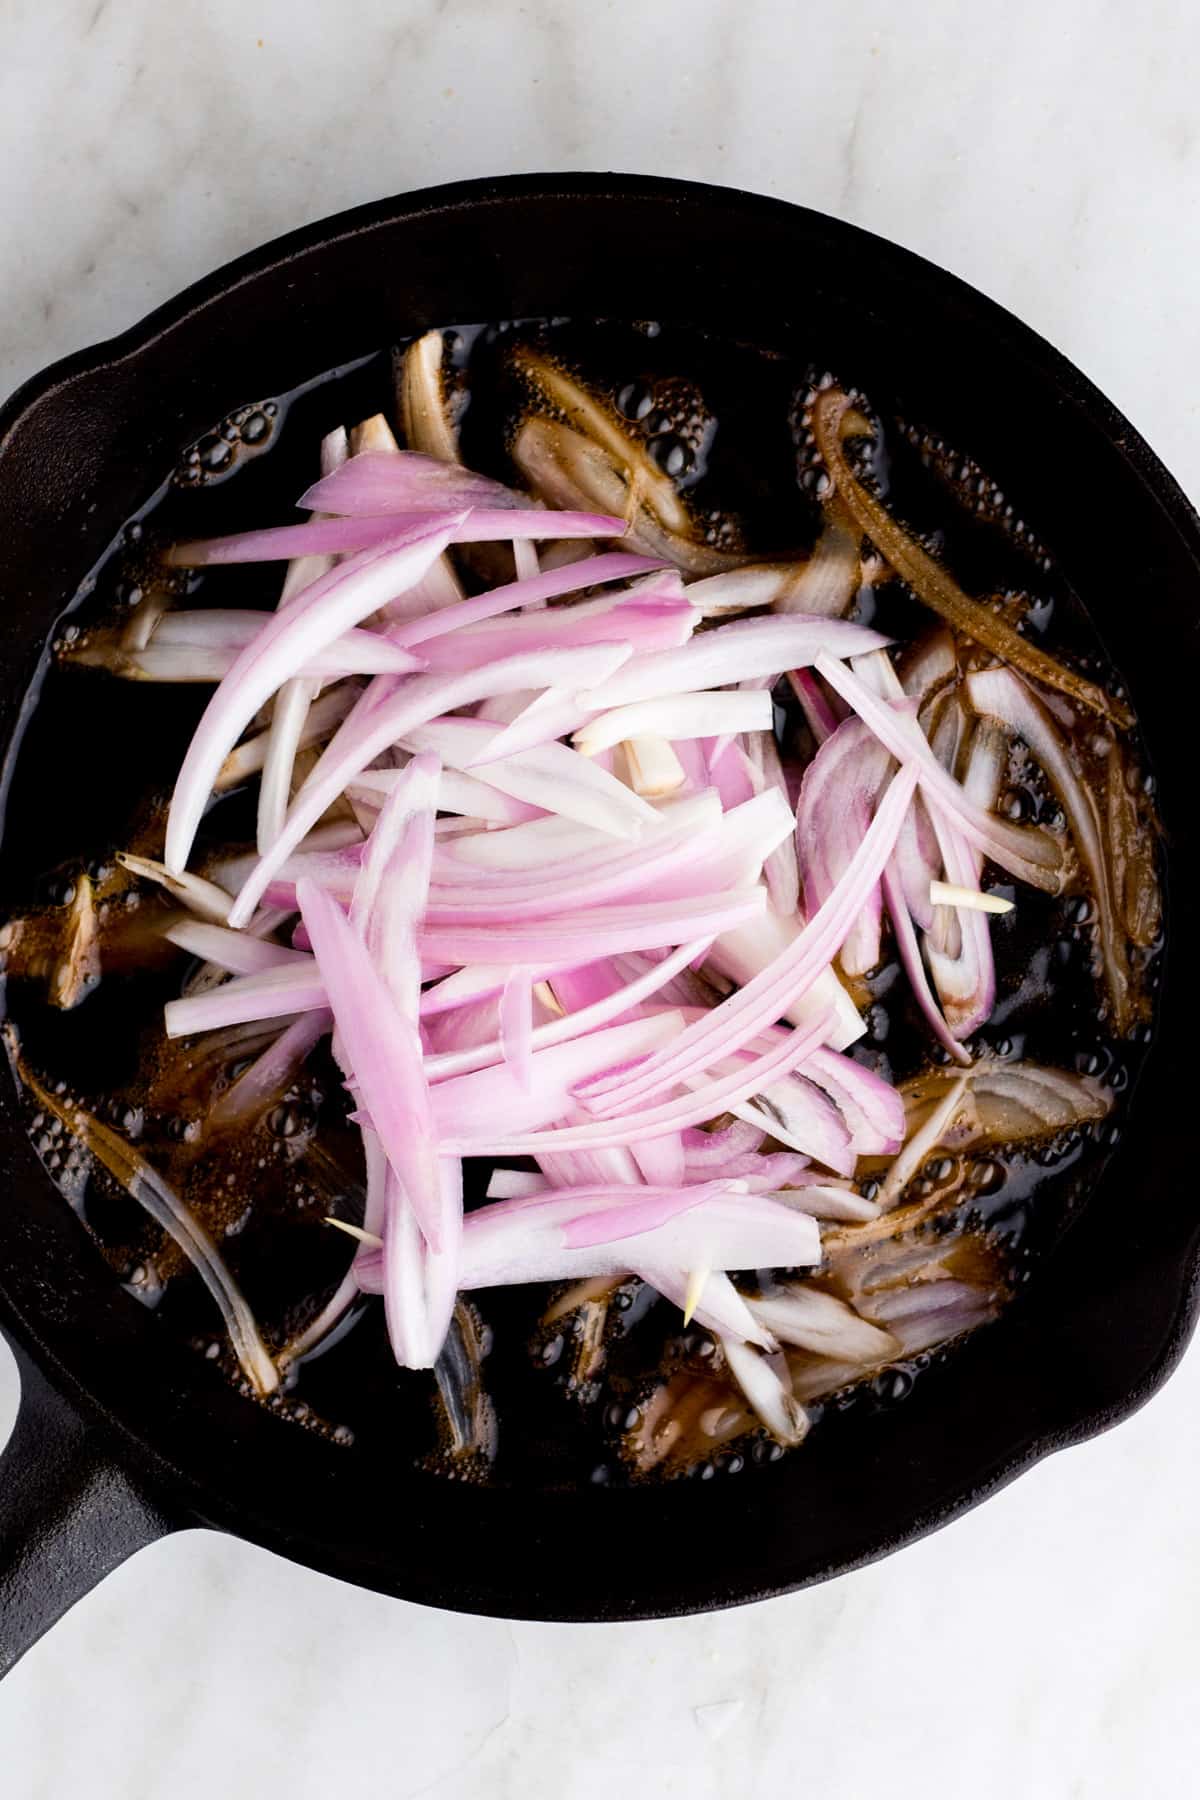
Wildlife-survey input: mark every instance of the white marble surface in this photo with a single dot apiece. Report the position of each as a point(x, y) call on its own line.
point(1046, 1645)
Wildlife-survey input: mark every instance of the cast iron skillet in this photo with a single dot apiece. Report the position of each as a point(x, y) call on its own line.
point(123, 1435)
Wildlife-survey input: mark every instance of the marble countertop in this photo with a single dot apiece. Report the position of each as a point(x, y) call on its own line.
point(1046, 1644)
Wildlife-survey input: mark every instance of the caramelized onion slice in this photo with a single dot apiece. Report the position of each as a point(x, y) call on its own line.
point(934, 585)
point(566, 396)
point(767, 1385)
point(999, 694)
point(1000, 1103)
point(146, 1187)
point(562, 465)
point(421, 392)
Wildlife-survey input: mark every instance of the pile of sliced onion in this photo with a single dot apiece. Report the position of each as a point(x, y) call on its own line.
point(562, 832)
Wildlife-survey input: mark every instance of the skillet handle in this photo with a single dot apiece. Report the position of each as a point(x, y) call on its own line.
point(69, 1514)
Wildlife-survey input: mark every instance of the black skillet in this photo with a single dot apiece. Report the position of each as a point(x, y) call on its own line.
point(123, 1435)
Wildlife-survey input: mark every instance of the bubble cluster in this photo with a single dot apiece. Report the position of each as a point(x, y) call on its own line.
point(220, 452)
point(976, 491)
point(290, 1119)
point(864, 455)
point(670, 416)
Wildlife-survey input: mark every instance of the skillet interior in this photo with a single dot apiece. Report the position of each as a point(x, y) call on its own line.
point(1110, 1311)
